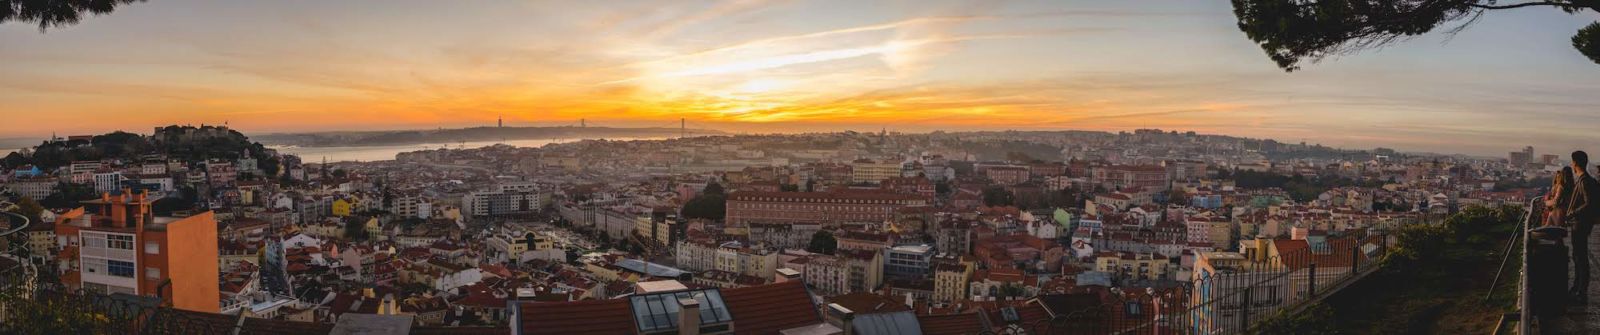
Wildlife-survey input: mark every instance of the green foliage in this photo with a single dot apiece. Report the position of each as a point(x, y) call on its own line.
point(1509, 184)
point(29, 208)
point(1316, 319)
point(55, 13)
point(712, 204)
point(998, 196)
point(187, 197)
point(1587, 41)
point(355, 229)
point(170, 141)
point(14, 160)
point(1461, 238)
point(67, 195)
point(823, 242)
point(1433, 281)
point(714, 188)
point(1298, 186)
point(1292, 32)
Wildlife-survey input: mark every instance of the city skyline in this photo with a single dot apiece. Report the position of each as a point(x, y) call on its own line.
point(778, 66)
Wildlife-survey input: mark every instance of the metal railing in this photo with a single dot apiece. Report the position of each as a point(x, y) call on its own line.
point(1525, 310)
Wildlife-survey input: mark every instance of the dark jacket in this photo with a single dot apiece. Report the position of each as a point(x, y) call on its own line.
point(1585, 195)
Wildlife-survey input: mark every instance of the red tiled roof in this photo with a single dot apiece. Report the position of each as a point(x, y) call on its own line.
point(819, 196)
point(767, 309)
point(868, 303)
point(578, 317)
point(966, 323)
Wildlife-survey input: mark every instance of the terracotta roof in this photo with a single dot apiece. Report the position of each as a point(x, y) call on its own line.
point(868, 303)
point(966, 323)
point(578, 317)
point(804, 196)
point(459, 330)
point(767, 309)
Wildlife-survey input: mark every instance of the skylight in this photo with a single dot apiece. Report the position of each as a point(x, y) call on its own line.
point(659, 311)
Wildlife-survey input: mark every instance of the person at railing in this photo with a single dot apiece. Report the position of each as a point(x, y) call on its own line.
point(1584, 210)
point(1559, 197)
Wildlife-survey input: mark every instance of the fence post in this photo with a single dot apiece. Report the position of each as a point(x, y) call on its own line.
point(1355, 258)
point(1311, 288)
point(1244, 310)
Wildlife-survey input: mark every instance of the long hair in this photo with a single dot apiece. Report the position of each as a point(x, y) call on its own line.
point(1563, 180)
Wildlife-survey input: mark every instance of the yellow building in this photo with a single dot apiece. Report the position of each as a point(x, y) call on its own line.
point(1133, 266)
point(343, 207)
point(374, 231)
point(950, 280)
point(869, 171)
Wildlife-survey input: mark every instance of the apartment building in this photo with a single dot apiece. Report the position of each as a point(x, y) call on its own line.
point(115, 244)
point(828, 208)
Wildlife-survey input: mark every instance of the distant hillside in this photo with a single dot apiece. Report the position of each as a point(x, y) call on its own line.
point(408, 137)
point(184, 143)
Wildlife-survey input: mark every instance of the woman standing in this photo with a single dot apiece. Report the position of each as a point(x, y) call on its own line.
point(1559, 197)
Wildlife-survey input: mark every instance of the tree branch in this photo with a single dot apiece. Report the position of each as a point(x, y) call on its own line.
point(1530, 4)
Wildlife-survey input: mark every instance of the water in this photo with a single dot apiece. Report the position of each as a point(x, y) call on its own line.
point(383, 153)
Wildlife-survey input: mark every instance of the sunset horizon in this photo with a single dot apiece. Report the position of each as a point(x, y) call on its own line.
point(915, 68)
point(799, 167)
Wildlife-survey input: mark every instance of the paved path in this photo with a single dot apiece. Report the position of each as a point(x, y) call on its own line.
point(1583, 319)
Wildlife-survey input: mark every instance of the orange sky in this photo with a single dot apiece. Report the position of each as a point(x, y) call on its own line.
point(762, 66)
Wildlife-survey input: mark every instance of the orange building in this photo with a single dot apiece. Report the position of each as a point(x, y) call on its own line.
point(115, 244)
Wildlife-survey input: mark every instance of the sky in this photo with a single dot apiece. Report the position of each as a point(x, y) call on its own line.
point(753, 66)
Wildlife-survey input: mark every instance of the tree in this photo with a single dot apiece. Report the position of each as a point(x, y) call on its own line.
point(712, 204)
point(15, 160)
point(1292, 32)
point(55, 13)
point(998, 196)
point(714, 188)
point(822, 242)
point(67, 195)
point(356, 229)
point(29, 208)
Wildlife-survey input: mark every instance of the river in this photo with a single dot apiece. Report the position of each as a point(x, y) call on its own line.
point(387, 152)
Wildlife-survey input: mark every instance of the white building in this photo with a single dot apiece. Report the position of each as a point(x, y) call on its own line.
point(505, 199)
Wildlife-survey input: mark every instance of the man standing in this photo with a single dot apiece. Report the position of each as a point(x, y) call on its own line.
point(1584, 211)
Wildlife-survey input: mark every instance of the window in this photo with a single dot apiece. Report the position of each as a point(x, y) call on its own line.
point(120, 268)
point(152, 273)
point(94, 241)
point(152, 248)
point(124, 242)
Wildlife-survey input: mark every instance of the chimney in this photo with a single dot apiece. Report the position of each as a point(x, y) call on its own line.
point(787, 275)
point(844, 317)
point(688, 316)
point(526, 293)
